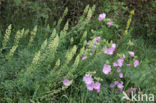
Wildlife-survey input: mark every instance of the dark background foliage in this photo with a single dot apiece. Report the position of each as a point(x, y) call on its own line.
point(27, 13)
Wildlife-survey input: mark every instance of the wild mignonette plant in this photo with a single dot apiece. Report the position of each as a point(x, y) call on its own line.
point(6, 38)
point(30, 72)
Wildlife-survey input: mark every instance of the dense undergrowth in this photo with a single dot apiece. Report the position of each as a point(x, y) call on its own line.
point(28, 13)
point(36, 59)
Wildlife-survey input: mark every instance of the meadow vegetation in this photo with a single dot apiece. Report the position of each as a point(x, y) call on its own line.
point(74, 51)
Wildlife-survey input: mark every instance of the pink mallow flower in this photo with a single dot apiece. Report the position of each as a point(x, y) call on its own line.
point(97, 86)
point(136, 63)
point(83, 58)
point(88, 79)
point(121, 75)
point(98, 39)
point(66, 82)
point(131, 53)
point(116, 82)
point(114, 45)
point(111, 50)
point(102, 16)
point(120, 62)
point(115, 64)
point(90, 86)
point(106, 69)
point(110, 23)
point(120, 85)
point(90, 83)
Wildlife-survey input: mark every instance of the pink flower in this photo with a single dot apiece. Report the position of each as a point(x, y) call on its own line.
point(114, 45)
point(120, 85)
point(97, 39)
point(116, 82)
point(106, 69)
point(102, 16)
point(118, 70)
point(110, 23)
point(66, 82)
point(120, 62)
point(131, 53)
point(98, 90)
point(115, 64)
point(90, 86)
point(121, 75)
point(83, 58)
point(105, 50)
point(128, 65)
point(97, 86)
point(111, 50)
point(88, 79)
point(136, 63)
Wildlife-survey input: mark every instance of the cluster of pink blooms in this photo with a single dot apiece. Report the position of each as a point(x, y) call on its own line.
point(119, 64)
point(119, 71)
point(90, 83)
point(96, 40)
point(88, 79)
point(110, 50)
point(120, 61)
point(103, 16)
point(107, 69)
point(136, 62)
point(119, 85)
